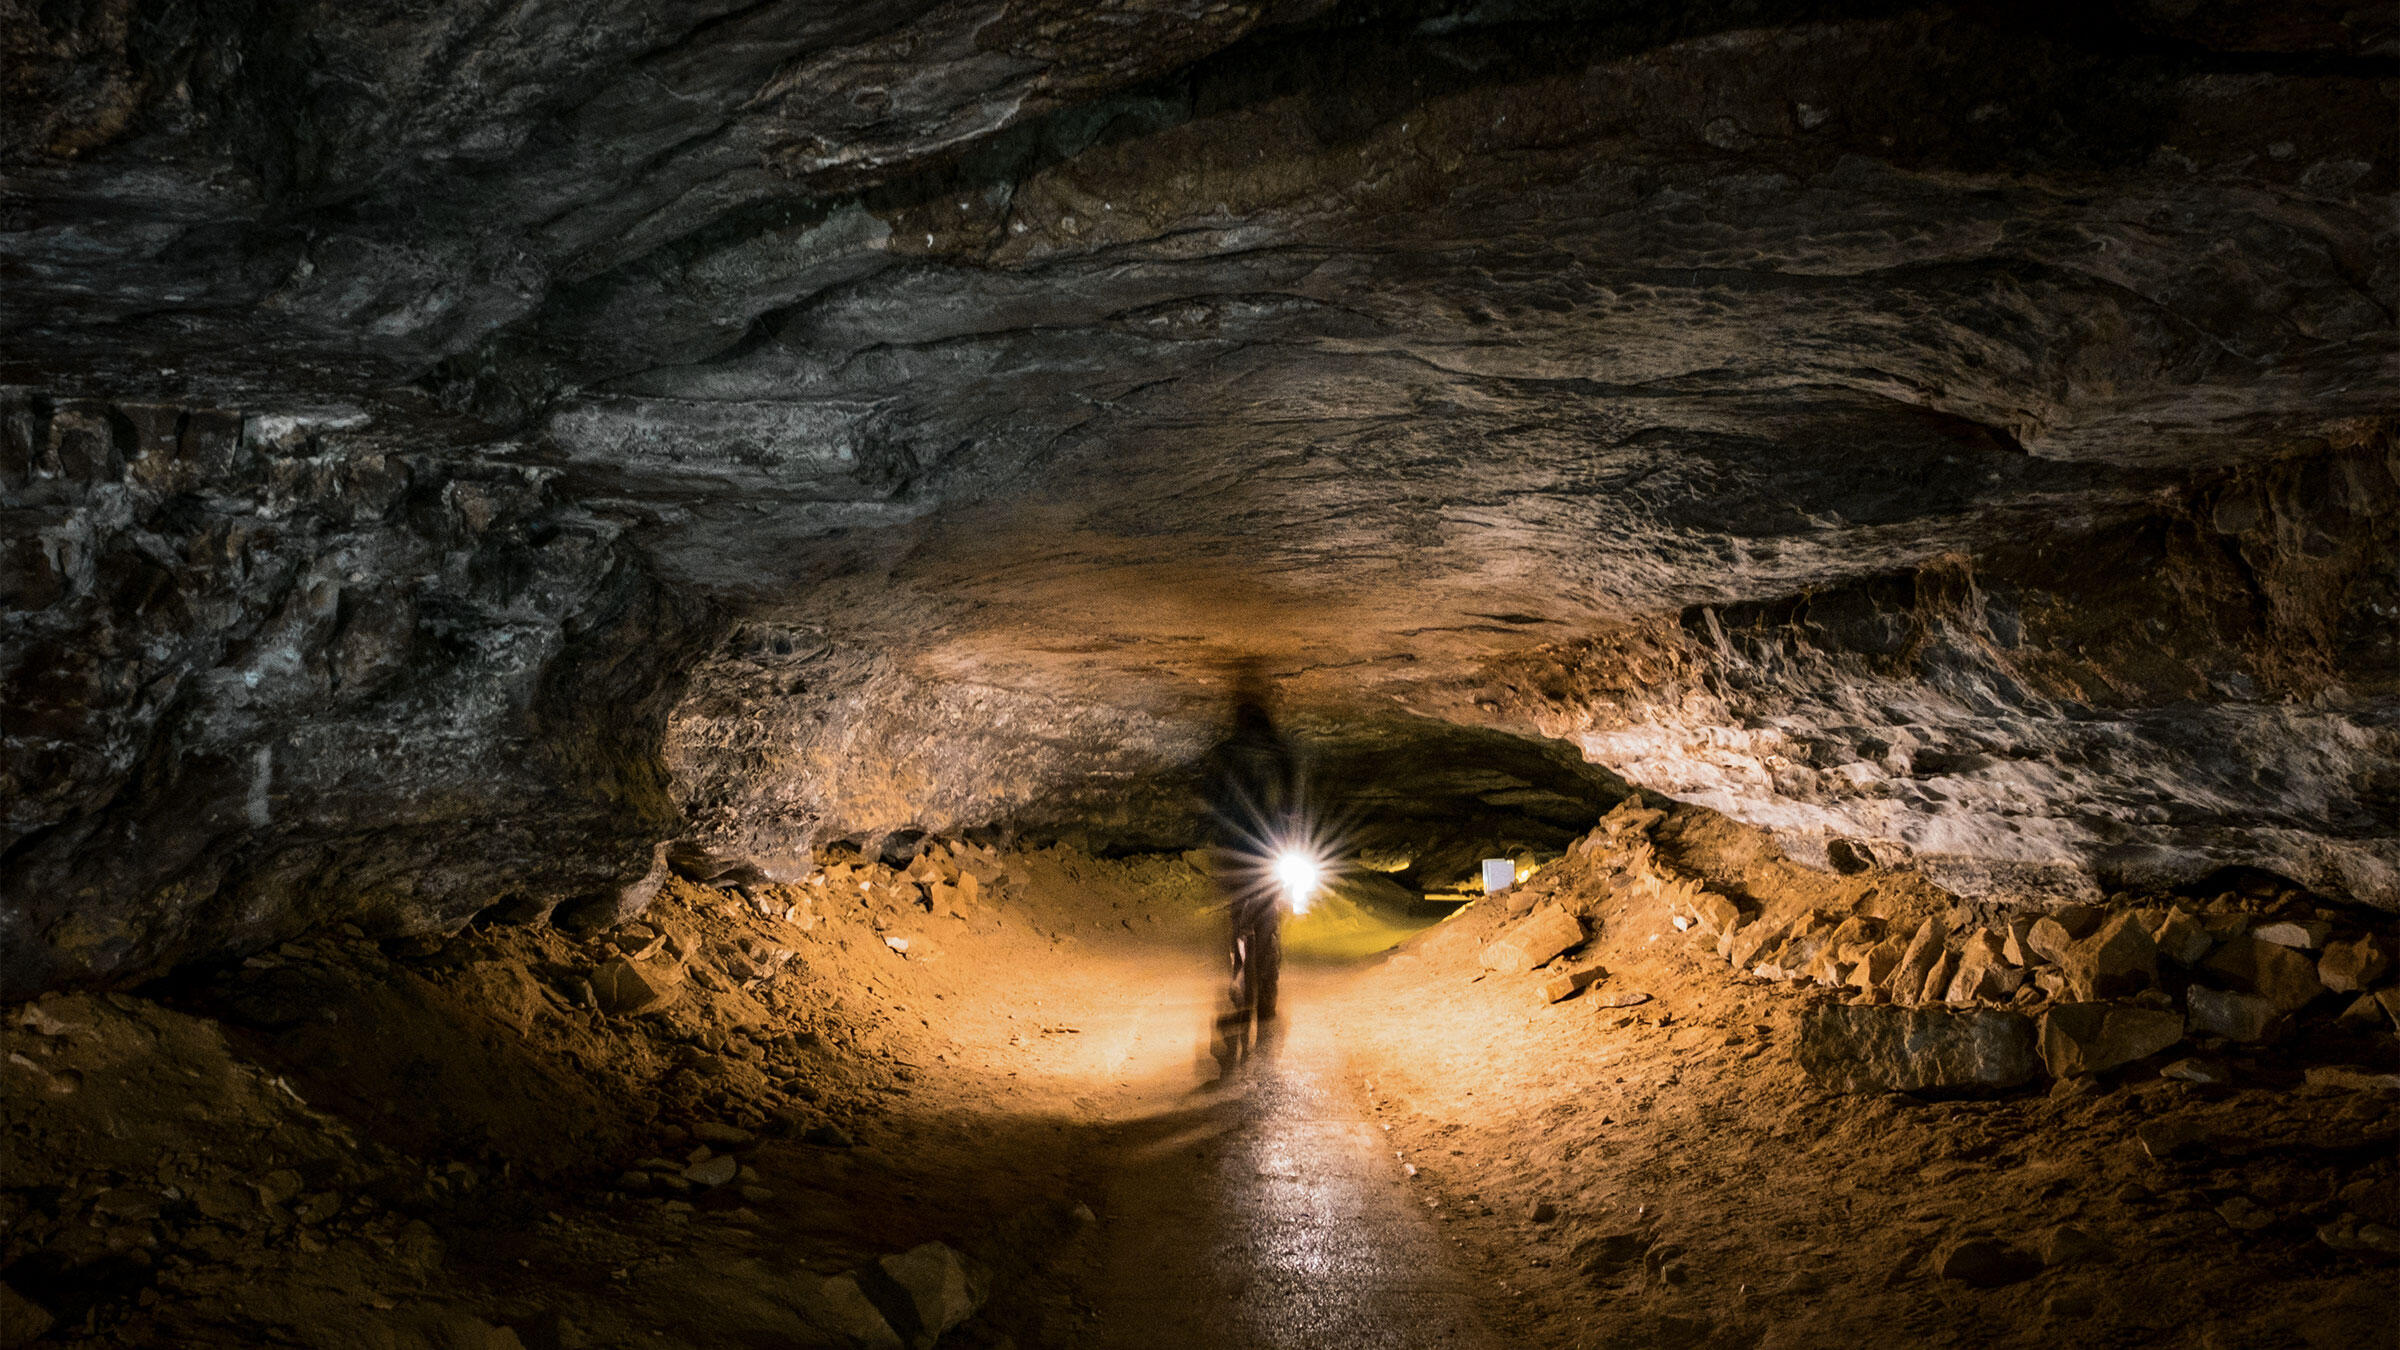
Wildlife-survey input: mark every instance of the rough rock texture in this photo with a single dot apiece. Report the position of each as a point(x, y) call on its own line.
point(1531, 941)
point(934, 1289)
point(2236, 1017)
point(2277, 974)
point(2085, 1038)
point(1961, 435)
point(263, 673)
point(1864, 1047)
point(784, 740)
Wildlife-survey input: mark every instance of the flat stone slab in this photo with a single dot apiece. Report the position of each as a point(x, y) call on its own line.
point(1532, 940)
point(1868, 1047)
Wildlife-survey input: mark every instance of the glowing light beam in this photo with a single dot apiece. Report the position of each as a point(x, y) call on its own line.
point(1299, 873)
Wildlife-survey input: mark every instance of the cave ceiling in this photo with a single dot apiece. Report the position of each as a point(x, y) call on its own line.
point(1964, 429)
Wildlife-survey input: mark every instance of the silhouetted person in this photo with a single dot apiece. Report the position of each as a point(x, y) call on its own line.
point(1253, 788)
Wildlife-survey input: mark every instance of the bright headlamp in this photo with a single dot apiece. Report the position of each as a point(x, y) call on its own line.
point(1298, 873)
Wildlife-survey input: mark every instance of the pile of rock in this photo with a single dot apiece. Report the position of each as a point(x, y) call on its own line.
point(650, 965)
point(2078, 954)
point(794, 905)
point(2071, 990)
point(645, 963)
point(646, 972)
point(751, 964)
point(143, 1141)
point(713, 1164)
point(2075, 990)
point(947, 877)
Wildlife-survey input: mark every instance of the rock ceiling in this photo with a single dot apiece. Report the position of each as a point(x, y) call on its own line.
point(496, 445)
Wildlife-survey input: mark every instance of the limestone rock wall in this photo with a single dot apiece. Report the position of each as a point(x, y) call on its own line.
point(1956, 432)
point(2210, 686)
point(267, 671)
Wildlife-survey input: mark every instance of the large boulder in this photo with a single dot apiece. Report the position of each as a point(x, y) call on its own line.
point(1984, 971)
point(1916, 965)
point(2180, 937)
point(2278, 974)
point(1937, 981)
point(2352, 967)
point(2048, 939)
point(1532, 940)
point(2086, 1038)
point(926, 1291)
point(1875, 966)
point(1718, 916)
point(2234, 1016)
point(2014, 944)
point(2118, 958)
point(1861, 1048)
point(2305, 935)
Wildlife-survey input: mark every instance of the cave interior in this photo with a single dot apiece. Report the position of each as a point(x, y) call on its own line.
point(617, 621)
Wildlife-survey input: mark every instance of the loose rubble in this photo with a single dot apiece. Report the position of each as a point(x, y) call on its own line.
point(1954, 998)
point(350, 1141)
point(1857, 1110)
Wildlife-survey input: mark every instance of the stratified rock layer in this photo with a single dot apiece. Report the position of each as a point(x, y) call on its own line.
point(504, 449)
point(265, 674)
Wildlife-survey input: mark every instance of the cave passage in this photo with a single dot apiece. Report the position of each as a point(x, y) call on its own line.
point(618, 623)
point(971, 1098)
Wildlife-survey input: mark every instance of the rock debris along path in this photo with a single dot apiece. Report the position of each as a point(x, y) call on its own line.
point(1275, 1215)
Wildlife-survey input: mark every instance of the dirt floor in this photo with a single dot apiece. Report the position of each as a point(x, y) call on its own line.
point(1665, 1174)
point(738, 1121)
point(412, 1142)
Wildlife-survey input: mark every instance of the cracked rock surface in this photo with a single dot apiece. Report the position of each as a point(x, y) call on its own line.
point(538, 441)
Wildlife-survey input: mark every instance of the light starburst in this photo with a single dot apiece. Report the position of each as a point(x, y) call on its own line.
point(1298, 872)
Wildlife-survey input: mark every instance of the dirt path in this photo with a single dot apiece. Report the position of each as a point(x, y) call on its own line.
point(1267, 1212)
point(1270, 1213)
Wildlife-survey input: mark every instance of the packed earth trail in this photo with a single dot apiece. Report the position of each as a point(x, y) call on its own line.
point(1274, 1215)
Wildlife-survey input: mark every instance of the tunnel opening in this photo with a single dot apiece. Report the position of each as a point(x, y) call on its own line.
point(1417, 801)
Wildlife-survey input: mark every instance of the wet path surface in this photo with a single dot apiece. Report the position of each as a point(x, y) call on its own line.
point(1275, 1215)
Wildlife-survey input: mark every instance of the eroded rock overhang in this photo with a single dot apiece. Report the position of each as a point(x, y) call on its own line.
point(1963, 435)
